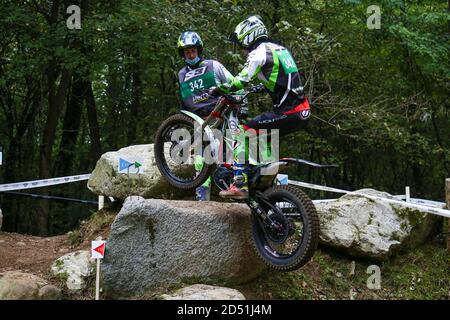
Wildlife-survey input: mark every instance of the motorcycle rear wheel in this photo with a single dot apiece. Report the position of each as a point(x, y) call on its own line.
point(181, 176)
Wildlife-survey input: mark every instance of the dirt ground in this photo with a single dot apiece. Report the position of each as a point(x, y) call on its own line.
point(35, 255)
point(31, 254)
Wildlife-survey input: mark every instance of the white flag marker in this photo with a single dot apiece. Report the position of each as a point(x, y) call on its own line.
point(98, 252)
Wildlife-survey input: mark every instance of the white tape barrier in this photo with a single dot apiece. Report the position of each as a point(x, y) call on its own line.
point(424, 205)
point(428, 203)
point(42, 183)
point(323, 200)
point(437, 211)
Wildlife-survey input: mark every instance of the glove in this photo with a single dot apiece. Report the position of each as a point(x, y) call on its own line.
point(214, 92)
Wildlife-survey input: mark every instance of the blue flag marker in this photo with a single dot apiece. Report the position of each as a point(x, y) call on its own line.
point(123, 164)
point(130, 165)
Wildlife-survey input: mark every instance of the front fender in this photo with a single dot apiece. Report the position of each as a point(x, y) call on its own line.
point(200, 121)
point(215, 143)
point(193, 116)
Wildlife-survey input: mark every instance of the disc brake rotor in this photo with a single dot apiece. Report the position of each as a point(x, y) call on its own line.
point(280, 228)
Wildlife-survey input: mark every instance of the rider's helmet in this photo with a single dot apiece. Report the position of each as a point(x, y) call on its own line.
point(249, 31)
point(189, 39)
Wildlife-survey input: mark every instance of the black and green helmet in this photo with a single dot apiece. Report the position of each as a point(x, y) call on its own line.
point(249, 31)
point(189, 39)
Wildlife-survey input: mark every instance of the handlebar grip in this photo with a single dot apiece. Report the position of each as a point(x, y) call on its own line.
point(213, 92)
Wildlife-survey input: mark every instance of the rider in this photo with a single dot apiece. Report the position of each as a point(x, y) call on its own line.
point(274, 66)
point(194, 78)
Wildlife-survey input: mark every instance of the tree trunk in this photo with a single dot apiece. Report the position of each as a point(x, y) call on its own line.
point(447, 199)
point(56, 102)
point(94, 132)
point(136, 89)
point(71, 127)
point(15, 163)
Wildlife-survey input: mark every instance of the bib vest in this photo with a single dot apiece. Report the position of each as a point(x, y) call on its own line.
point(194, 83)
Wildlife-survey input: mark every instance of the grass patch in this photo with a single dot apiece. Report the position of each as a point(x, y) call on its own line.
point(422, 273)
point(98, 224)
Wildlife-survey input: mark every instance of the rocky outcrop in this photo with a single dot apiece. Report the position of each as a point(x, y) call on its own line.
point(204, 292)
point(16, 285)
point(372, 228)
point(155, 242)
point(75, 268)
point(158, 242)
point(106, 179)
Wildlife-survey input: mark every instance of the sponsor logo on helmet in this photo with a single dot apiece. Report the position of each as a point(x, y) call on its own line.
point(188, 39)
point(250, 38)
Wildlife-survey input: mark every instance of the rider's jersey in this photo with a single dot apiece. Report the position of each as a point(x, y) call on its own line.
point(274, 66)
point(195, 81)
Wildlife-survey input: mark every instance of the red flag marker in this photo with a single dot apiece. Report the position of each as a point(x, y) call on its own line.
point(100, 249)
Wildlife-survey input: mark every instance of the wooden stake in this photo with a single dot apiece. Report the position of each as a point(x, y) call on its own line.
point(97, 281)
point(447, 200)
point(101, 202)
point(352, 268)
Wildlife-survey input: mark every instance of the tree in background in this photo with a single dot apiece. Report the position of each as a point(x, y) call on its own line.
point(380, 98)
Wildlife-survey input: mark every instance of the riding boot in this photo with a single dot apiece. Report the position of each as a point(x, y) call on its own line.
point(239, 189)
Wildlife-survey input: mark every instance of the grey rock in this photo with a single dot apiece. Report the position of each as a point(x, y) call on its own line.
point(106, 179)
point(372, 228)
point(49, 292)
point(158, 242)
point(16, 285)
point(75, 267)
point(204, 292)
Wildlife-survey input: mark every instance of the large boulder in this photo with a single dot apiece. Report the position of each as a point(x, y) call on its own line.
point(16, 285)
point(372, 228)
point(106, 179)
point(158, 242)
point(75, 268)
point(204, 292)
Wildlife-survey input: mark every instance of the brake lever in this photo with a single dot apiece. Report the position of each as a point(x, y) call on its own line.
point(258, 88)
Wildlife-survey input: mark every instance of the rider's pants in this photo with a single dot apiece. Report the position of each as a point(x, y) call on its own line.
point(293, 120)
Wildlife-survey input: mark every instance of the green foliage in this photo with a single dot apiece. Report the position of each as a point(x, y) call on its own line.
point(380, 97)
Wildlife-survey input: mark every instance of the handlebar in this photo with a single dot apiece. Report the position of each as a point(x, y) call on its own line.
point(238, 99)
point(252, 89)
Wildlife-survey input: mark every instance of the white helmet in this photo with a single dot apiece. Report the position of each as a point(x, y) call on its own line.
point(248, 31)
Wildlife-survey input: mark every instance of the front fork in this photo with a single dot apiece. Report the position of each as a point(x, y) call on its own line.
point(258, 210)
point(264, 220)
